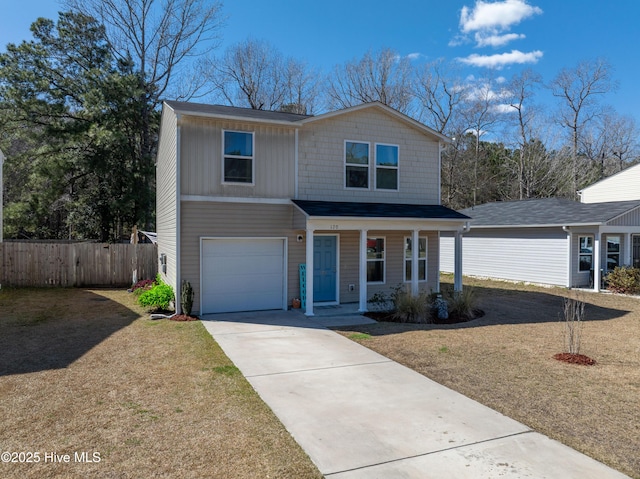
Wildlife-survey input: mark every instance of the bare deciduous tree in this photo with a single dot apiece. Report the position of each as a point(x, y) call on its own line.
point(383, 76)
point(254, 74)
point(158, 36)
point(521, 90)
point(578, 89)
point(441, 93)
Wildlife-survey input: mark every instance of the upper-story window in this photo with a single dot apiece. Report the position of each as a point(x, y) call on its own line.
point(238, 157)
point(356, 158)
point(386, 167)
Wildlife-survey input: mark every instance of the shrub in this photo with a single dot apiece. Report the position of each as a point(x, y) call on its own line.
point(411, 308)
point(186, 297)
point(624, 280)
point(141, 286)
point(462, 304)
point(159, 296)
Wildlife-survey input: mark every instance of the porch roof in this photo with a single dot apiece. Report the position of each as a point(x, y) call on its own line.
point(348, 209)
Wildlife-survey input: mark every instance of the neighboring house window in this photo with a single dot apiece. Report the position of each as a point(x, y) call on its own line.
point(375, 260)
point(356, 157)
point(422, 259)
point(386, 167)
point(613, 252)
point(586, 253)
point(238, 157)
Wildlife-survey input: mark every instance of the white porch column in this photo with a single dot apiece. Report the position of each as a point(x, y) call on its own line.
point(363, 272)
point(457, 270)
point(627, 261)
point(309, 273)
point(415, 243)
point(596, 262)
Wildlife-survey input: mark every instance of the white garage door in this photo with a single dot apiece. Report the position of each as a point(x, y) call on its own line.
point(242, 275)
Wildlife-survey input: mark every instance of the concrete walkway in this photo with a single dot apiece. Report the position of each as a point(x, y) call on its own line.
point(358, 414)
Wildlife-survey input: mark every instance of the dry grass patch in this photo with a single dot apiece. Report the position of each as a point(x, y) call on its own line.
point(87, 371)
point(504, 360)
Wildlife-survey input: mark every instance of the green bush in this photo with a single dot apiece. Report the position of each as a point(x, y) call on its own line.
point(159, 296)
point(624, 280)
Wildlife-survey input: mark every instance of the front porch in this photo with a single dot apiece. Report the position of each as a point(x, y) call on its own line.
point(374, 249)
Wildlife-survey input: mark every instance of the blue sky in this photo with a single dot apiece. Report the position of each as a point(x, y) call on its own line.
point(503, 36)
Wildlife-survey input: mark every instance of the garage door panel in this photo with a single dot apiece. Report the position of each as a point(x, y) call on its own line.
point(242, 274)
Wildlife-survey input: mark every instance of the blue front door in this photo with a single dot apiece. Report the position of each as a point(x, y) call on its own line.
point(324, 268)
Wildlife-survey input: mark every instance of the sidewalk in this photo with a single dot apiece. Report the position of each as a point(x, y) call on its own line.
point(358, 414)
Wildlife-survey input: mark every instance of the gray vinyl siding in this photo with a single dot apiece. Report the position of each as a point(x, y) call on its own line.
point(536, 255)
point(201, 159)
point(322, 167)
point(630, 219)
point(212, 219)
point(167, 194)
point(622, 186)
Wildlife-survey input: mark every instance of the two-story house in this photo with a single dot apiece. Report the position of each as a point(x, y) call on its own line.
point(255, 208)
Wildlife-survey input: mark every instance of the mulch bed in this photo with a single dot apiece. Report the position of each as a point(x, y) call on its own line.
point(183, 317)
point(386, 316)
point(573, 358)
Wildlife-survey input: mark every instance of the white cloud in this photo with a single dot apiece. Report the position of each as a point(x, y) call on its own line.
point(498, 16)
point(504, 108)
point(500, 60)
point(492, 40)
point(414, 56)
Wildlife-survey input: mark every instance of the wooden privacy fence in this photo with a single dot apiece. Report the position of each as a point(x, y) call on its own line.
point(75, 264)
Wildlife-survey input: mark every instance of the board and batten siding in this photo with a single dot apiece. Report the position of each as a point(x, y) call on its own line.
point(167, 195)
point(201, 159)
point(623, 186)
point(322, 167)
point(632, 218)
point(535, 255)
point(204, 219)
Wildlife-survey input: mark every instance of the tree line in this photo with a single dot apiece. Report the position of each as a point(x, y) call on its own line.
point(79, 113)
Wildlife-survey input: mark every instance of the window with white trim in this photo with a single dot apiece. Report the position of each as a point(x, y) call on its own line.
point(356, 159)
point(386, 167)
point(586, 253)
point(375, 260)
point(237, 157)
point(422, 258)
point(613, 252)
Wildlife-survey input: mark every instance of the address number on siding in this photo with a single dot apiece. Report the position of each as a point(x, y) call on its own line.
point(334, 227)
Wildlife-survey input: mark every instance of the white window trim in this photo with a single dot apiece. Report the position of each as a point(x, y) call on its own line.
point(384, 260)
point(580, 253)
point(375, 168)
point(368, 166)
point(426, 259)
point(253, 159)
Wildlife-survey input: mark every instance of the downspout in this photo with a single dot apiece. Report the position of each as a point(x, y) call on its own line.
point(179, 222)
point(295, 166)
point(567, 230)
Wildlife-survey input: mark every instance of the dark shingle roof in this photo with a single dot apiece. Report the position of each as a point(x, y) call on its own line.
point(201, 109)
point(377, 210)
point(547, 212)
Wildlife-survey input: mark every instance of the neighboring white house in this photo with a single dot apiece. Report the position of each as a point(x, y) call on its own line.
point(623, 186)
point(245, 197)
point(548, 241)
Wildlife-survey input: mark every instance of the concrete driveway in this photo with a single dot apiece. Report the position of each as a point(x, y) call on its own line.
point(358, 414)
